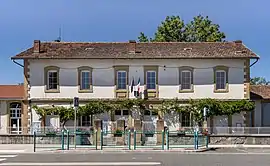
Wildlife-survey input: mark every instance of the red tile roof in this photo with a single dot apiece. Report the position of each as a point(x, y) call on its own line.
point(153, 50)
point(11, 91)
point(261, 90)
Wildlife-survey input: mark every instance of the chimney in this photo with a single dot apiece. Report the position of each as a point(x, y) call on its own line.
point(36, 46)
point(238, 41)
point(132, 46)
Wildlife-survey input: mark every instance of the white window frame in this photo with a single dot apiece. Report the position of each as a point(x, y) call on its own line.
point(150, 71)
point(216, 79)
point(81, 79)
point(117, 83)
point(182, 79)
point(48, 79)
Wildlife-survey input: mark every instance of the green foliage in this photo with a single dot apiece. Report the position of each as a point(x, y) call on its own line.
point(259, 81)
point(64, 113)
point(216, 107)
point(202, 29)
point(173, 29)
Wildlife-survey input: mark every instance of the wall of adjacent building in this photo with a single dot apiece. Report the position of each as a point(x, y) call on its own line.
point(3, 117)
point(168, 77)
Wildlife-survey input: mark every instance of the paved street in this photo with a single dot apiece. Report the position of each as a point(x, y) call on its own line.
point(220, 157)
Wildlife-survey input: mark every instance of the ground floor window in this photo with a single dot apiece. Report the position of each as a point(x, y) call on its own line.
point(186, 120)
point(85, 121)
point(15, 121)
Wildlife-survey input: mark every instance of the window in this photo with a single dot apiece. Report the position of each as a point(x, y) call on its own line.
point(220, 80)
point(52, 79)
point(186, 120)
point(122, 112)
point(52, 83)
point(85, 121)
point(185, 79)
point(151, 79)
point(15, 113)
point(121, 80)
point(85, 79)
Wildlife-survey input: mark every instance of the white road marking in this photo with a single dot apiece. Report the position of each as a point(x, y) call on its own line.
point(242, 150)
point(133, 158)
point(205, 153)
point(88, 163)
point(8, 156)
point(2, 159)
point(11, 151)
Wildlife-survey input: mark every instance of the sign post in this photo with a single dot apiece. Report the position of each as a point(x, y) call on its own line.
point(76, 105)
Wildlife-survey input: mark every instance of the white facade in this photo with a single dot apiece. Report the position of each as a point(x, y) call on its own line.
point(168, 80)
point(168, 77)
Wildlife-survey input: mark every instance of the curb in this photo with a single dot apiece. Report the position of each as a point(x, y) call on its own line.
point(127, 151)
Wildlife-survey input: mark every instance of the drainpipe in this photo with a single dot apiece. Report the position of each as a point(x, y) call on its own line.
point(17, 63)
point(254, 62)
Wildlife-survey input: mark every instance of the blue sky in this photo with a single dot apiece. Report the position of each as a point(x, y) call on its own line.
point(21, 22)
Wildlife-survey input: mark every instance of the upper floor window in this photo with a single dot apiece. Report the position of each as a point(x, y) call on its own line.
point(121, 79)
point(52, 79)
point(186, 79)
point(221, 79)
point(85, 79)
point(151, 79)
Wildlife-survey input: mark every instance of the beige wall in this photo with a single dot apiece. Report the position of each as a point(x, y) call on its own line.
point(168, 79)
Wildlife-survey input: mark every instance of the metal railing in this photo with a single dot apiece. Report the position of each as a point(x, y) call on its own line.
point(211, 130)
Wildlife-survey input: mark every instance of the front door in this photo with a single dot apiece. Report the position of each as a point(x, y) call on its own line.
point(15, 121)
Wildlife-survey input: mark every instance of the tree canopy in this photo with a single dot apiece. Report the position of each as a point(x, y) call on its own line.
point(259, 81)
point(173, 29)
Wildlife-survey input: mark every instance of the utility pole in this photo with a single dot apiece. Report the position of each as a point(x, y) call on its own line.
point(76, 105)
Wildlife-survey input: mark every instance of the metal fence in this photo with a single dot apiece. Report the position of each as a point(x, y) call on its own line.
point(211, 130)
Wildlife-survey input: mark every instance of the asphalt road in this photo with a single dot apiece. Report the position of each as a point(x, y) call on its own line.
point(223, 157)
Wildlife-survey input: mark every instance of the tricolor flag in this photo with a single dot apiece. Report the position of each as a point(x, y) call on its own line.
point(137, 90)
point(132, 85)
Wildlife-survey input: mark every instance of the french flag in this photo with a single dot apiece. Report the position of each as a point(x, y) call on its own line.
point(137, 90)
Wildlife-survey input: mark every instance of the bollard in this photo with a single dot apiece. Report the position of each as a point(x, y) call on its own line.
point(35, 136)
point(96, 139)
point(207, 141)
point(167, 139)
point(162, 145)
point(195, 140)
point(129, 140)
point(68, 140)
point(101, 139)
point(63, 140)
point(135, 139)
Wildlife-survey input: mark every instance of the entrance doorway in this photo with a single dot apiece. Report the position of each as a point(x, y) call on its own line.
point(15, 112)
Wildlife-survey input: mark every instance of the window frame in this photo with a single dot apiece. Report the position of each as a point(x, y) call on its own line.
point(151, 93)
point(186, 69)
point(80, 71)
point(117, 79)
point(121, 93)
point(148, 71)
point(46, 79)
point(224, 69)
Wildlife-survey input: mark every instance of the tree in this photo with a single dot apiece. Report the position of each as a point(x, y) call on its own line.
point(259, 81)
point(65, 114)
point(202, 29)
point(173, 29)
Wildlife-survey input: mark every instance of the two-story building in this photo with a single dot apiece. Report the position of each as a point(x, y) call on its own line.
point(55, 72)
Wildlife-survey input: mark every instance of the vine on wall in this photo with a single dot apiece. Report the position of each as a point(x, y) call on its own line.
point(216, 108)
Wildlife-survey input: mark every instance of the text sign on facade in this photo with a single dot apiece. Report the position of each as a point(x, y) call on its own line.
point(76, 101)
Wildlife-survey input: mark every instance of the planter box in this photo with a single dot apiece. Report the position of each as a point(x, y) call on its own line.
point(50, 134)
point(149, 135)
point(117, 134)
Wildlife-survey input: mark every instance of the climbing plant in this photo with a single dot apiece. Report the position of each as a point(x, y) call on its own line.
point(216, 107)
